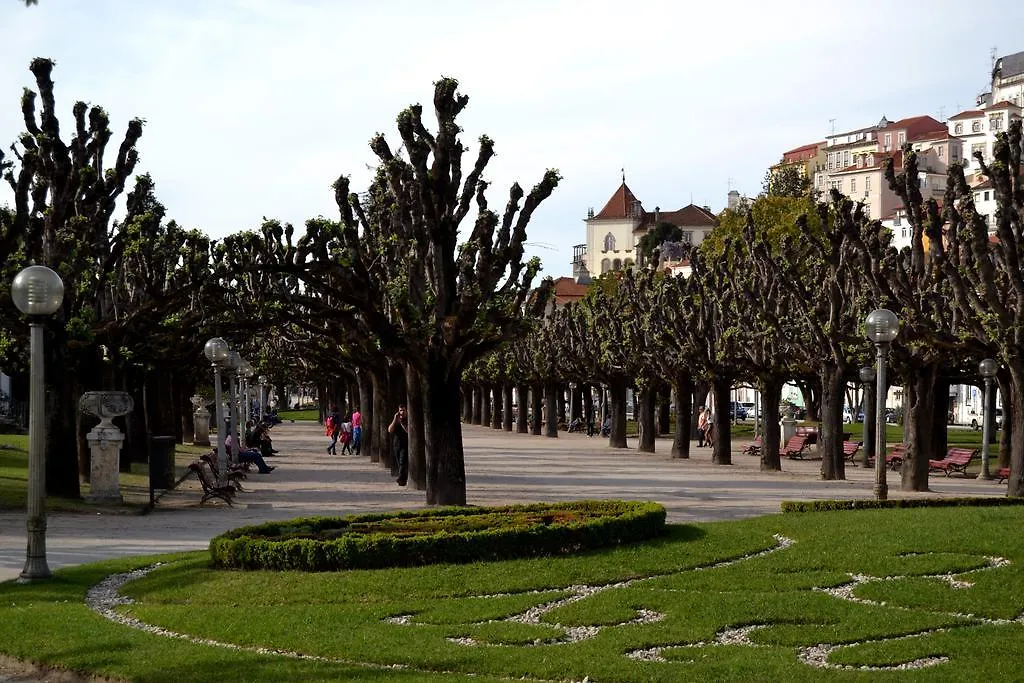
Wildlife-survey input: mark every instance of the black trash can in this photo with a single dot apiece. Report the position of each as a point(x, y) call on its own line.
point(161, 462)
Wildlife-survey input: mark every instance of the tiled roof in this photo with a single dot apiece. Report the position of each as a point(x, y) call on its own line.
point(620, 205)
point(972, 114)
point(568, 290)
point(1005, 104)
point(688, 216)
point(983, 185)
point(1011, 65)
point(932, 135)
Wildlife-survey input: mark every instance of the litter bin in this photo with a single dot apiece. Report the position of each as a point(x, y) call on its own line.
point(161, 462)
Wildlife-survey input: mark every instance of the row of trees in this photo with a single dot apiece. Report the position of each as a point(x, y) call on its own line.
point(419, 285)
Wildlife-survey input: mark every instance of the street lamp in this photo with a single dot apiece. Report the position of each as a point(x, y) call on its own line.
point(217, 352)
point(234, 365)
point(987, 368)
point(37, 292)
point(883, 326)
point(262, 380)
point(867, 376)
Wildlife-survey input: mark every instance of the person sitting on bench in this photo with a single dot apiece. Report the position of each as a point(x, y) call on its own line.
point(258, 436)
point(249, 455)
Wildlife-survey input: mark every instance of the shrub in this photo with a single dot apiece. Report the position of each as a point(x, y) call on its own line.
point(453, 535)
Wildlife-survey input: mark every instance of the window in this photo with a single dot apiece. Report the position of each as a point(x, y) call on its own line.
point(903, 232)
point(958, 129)
point(609, 242)
point(939, 152)
point(995, 122)
point(867, 184)
point(978, 149)
point(846, 158)
point(819, 180)
point(901, 137)
point(897, 220)
point(986, 195)
point(606, 265)
point(888, 141)
point(617, 264)
point(976, 127)
point(853, 185)
point(687, 237)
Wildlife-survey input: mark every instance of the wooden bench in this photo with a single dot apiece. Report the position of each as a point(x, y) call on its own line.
point(956, 460)
point(754, 448)
point(796, 446)
point(850, 449)
point(1002, 474)
point(894, 458)
point(210, 487)
point(236, 471)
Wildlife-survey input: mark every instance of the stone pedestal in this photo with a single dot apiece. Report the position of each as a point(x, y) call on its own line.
point(105, 442)
point(201, 420)
point(788, 429)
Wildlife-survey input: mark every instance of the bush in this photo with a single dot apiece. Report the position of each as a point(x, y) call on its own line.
point(452, 535)
point(869, 504)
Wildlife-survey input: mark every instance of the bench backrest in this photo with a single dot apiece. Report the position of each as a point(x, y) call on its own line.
point(200, 468)
point(899, 449)
point(850, 447)
point(796, 442)
point(960, 455)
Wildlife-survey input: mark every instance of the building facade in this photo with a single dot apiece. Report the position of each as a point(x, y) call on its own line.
point(614, 231)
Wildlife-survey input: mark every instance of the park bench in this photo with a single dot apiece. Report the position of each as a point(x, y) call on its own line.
point(894, 458)
point(1002, 474)
point(754, 448)
point(850, 449)
point(236, 471)
point(211, 489)
point(796, 447)
point(956, 460)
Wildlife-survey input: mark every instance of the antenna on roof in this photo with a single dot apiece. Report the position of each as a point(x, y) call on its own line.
point(623, 175)
point(728, 183)
point(832, 122)
point(992, 56)
point(942, 113)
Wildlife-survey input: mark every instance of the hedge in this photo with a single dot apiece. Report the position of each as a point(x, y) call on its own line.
point(443, 535)
point(869, 504)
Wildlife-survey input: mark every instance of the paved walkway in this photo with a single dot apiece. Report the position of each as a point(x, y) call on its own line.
point(500, 468)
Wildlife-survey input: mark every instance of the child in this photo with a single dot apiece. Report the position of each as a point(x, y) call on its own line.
point(346, 436)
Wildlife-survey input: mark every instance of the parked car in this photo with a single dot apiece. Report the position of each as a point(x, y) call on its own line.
point(737, 411)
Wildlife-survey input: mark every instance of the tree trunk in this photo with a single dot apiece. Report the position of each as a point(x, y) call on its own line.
point(812, 394)
point(870, 426)
point(771, 396)
point(684, 407)
point(830, 439)
point(507, 411)
point(467, 404)
point(1012, 407)
point(485, 402)
point(496, 414)
point(442, 434)
point(647, 421)
point(522, 410)
point(478, 404)
point(918, 422)
point(551, 409)
point(380, 451)
point(367, 442)
point(414, 421)
point(664, 418)
point(617, 400)
point(721, 453)
point(536, 409)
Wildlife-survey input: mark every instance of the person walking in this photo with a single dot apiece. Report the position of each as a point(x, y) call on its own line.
point(703, 424)
point(332, 428)
point(400, 432)
point(357, 431)
point(346, 436)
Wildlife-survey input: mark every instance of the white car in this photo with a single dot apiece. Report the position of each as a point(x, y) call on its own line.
point(847, 415)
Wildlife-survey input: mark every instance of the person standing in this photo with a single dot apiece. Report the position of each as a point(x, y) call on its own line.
point(703, 424)
point(357, 431)
point(346, 436)
point(333, 429)
point(400, 432)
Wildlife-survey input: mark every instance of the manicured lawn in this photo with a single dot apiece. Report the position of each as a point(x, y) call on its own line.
point(312, 414)
point(757, 600)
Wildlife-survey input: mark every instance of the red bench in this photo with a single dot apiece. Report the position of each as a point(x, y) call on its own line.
point(956, 460)
point(1002, 474)
point(796, 446)
point(850, 449)
point(894, 458)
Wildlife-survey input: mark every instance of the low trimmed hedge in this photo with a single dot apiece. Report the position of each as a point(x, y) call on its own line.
point(443, 535)
point(869, 504)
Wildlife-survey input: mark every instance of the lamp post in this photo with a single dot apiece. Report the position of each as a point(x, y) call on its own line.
point(217, 352)
point(867, 376)
point(262, 380)
point(883, 326)
point(247, 373)
point(37, 292)
point(987, 368)
point(234, 363)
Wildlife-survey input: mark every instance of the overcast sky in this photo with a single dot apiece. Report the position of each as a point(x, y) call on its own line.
point(254, 107)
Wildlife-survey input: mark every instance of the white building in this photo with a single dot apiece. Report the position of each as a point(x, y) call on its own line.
point(614, 231)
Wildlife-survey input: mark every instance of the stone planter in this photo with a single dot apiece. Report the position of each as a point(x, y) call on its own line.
point(105, 442)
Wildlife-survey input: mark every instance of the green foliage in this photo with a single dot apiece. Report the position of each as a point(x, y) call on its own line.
point(452, 535)
point(871, 504)
point(660, 233)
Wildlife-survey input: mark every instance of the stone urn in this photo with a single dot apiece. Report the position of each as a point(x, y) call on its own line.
point(200, 421)
point(105, 442)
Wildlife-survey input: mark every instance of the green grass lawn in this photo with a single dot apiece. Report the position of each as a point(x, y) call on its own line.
point(311, 414)
point(746, 601)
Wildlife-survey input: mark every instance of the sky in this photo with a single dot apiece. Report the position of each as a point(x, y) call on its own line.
point(254, 107)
